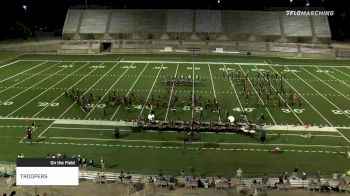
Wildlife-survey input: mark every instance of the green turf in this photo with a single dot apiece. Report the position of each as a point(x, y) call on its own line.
point(34, 87)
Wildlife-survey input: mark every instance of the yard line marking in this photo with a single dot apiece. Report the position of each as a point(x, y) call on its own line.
point(85, 129)
point(2, 66)
point(339, 93)
point(212, 83)
point(341, 71)
point(193, 106)
point(267, 110)
point(30, 88)
point(42, 133)
point(171, 94)
point(28, 78)
point(154, 82)
point(46, 90)
point(116, 111)
point(301, 95)
point(93, 86)
point(279, 96)
point(336, 79)
point(190, 148)
point(325, 99)
point(64, 93)
point(23, 72)
point(239, 101)
point(187, 62)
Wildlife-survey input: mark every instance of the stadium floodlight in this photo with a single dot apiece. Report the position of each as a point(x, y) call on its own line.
point(218, 1)
point(307, 4)
point(24, 7)
point(291, 1)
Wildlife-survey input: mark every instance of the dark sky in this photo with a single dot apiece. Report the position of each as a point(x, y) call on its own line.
point(51, 13)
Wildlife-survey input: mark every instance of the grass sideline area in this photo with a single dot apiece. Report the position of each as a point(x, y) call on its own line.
point(32, 86)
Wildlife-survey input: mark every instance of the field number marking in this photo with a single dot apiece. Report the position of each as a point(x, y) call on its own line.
point(298, 111)
point(45, 104)
point(341, 112)
point(6, 103)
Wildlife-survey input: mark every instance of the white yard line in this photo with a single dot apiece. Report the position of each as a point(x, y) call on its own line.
point(2, 66)
point(181, 142)
point(46, 90)
point(47, 128)
point(319, 113)
point(150, 92)
point(325, 99)
point(193, 106)
point(83, 128)
point(326, 84)
point(102, 98)
point(279, 96)
point(171, 94)
point(341, 71)
point(94, 85)
point(64, 93)
point(137, 79)
point(28, 77)
point(189, 62)
point(33, 85)
point(267, 110)
point(22, 72)
point(239, 101)
point(334, 77)
point(212, 83)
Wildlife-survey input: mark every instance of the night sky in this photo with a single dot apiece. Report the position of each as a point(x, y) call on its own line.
point(51, 13)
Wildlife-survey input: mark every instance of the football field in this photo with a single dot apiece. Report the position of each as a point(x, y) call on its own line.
point(32, 88)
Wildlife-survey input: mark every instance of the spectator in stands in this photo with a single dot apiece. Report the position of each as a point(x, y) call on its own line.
point(206, 184)
point(212, 183)
point(318, 176)
point(91, 163)
point(171, 183)
point(280, 179)
point(349, 152)
point(239, 174)
point(304, 177)
point(102, 163)
point(79, 160)
point(121, 176)
point(200, 184)
point(264, 181)
point(84, 162)
point(286, 176)
point(182, 172)
point(295, 173)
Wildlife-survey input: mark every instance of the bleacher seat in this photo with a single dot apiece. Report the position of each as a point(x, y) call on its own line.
point(266, 23)
point(179, 21)
point(208, 21)
point(150, 21)
point(237, 22)
point(122, 21)
point(252, 46)
point(94, 21)
point(321, 26)
point(297, 26)
point(72, 21)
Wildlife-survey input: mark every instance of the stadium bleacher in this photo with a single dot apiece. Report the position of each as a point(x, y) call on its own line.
point(321, 26)
point(266, 23)
point(150, 21)
point(179, 21)
point(208, 21)
point(72, 21)
point(237, 22)
point(94, 21)
point(296, 26)
point(122, 21)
